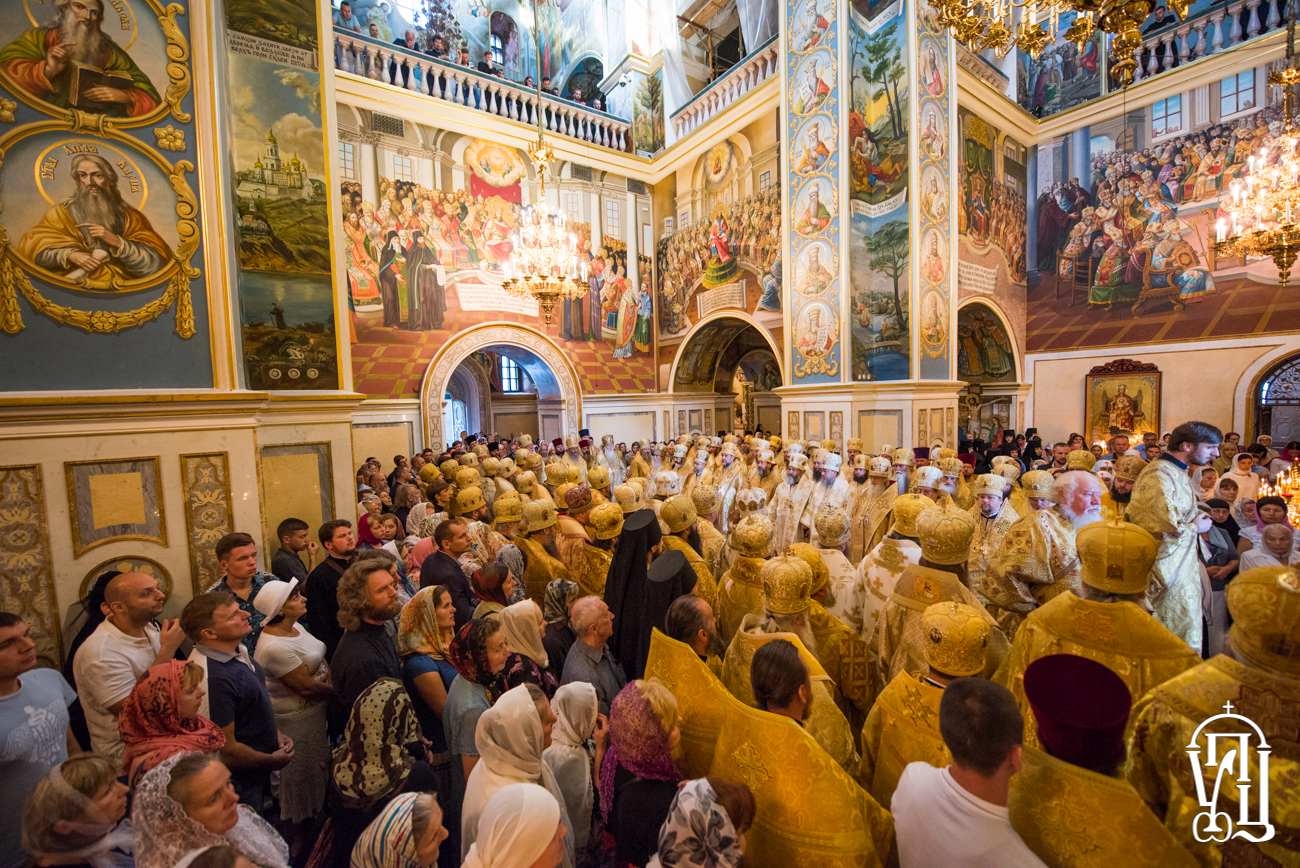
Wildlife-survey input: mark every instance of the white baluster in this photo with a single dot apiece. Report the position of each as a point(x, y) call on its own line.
point(604, 138)
point(1274, 16)
point(568, 123)
point(1234, 11)
point(1167, 62)
point(1138, 72)
point(1183, 36)
point(1216, 32)
point(417, 80)
point(1199, 27)
point(1252, 25)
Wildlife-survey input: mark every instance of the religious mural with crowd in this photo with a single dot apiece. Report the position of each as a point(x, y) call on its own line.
point(1131, 245)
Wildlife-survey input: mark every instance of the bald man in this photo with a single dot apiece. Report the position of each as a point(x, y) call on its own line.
point(119, 652)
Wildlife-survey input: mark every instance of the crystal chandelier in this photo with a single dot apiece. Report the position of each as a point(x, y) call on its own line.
point(1032, 25)
point(1265, 203)
point(544, 265)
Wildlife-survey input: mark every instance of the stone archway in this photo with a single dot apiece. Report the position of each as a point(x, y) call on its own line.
point(458, 349)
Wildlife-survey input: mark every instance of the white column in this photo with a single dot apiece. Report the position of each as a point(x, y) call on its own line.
point(597, 227)
point(368, 170)
point(424, 169)
point(630, 235)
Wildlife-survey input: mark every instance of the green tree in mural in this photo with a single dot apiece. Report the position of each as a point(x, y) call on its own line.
point(650, 96)
point(884, 68)
point(440, 19)
point(889, 252)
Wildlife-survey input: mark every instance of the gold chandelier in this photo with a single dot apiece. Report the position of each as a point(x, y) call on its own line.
point(1032, 25)
point(1265, 203)
point(544, 265)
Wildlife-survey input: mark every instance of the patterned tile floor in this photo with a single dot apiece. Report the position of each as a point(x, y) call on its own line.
point(390, 363)
point(1239, 307)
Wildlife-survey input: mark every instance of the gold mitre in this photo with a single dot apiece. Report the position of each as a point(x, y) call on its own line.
point(1116, 556)
point(539, 514)
point(945, 534)
point(667, 483)
point(469, 459)
point(730, 449)
point(1265, 606)
point(787, 585)
point(879, 467)
point(821, 574)
point(465, 477)
point(927, 477)
point(906, 508)
point(598, 477)
point(832, 524)
point(775, 441)
point(903, 457)
point(1080, 459)
point(559, 473)
point(605, 521)
point(448, 469)
point(988, 483)
point(752, 537)
point(1037, 483)
point(508, 468)
point(750, 500)
point(481, 451)
point(943, 454)
point(861, 461)
point(526, 481)
point(525, 440)
point(491, 466)
point(854, 444)
point(561, 495)
point(625, 496)
point(1010, 472)
point(469, 499)
point(507, 508)
point(705, 499)
point(678, 513)
point(797, 461)
point(828, 445)
point(951, 466)
point(956, 638)
point(1129, 467)
point(766, 455)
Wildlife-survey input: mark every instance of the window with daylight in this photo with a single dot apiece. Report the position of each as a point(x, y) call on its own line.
point(1237, 93)
point(571, 210)
point(348, 160)
point(403, 168)
point(498, 51)
point(1167, 117)
point(613, 218)
point(512, 379)
point(764, 181)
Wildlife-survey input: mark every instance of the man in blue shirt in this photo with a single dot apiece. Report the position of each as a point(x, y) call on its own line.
point(237, 556)
point(236, 698)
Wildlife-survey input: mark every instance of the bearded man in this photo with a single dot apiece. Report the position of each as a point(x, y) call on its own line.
point(870, 515)
point(679, 516)
point(604, 523)
point(791, 498)
point(831, 490)
point(574, 504)
point(1038, 559)
point(640, 464)
point(993, 518)
point(536, 540)
point(1120, 491)
point(573, 457)
point(852, 449)
point(762, 475)
point(1164, 505)
point(713, 545)
point(95, 234)
point(47, 61)
point(691, 621)
point(727, 481)
point(903, 463)
point(925, 482)
point(695, 477)
point(954, 482)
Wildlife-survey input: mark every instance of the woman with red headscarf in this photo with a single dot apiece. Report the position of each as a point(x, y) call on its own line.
point(493, 585)
point(161, 718)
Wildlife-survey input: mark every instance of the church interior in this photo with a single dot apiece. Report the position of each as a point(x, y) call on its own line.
point(961, 249)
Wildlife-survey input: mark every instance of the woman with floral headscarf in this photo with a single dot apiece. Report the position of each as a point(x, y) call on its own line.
point(493, 585)
point(161, 718)
point(638, 776)
point(424, 634)
point(478, 652)
point(559, 637)
point(706, 826)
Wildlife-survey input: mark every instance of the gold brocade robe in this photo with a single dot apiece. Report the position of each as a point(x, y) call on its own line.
point(902, 728)
point(1019, 500)
point(714, 545)
point(740, 593)
point(879, 571)
point(570, 537)
point(1164, 505)
point(902, 641)
point(593, 569)
point(1110, 510)
point(963, 498)
point(728, 481)
point(826, 723)
point(542, 569)
point(987, 539)
point(1071, 817)
point(810, 812)
point(701, 699)
point(845, 599)
point(1120, 636)
point(875, 520)
point(1161, 771)
point(844, 656)
point(707, 587)
point(1037, 561)
point(787, 508)
point(638, 467)
point(768, 483)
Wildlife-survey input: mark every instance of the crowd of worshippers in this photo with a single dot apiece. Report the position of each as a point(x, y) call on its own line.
point(706, 653)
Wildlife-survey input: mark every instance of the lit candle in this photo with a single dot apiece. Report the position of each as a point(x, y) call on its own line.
point(1221, 229)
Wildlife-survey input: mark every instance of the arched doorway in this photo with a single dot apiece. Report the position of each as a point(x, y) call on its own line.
point(988, 362)
point(728, 355)
point(1276, 401)
point(518, 373)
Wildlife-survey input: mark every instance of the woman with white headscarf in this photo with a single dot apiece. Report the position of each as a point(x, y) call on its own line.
point(578, 718)
point(76, 815)
point(522, 828)
point(208, 815)
point(511, 736)
point(706, 826)
point(528, 661)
